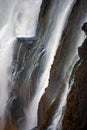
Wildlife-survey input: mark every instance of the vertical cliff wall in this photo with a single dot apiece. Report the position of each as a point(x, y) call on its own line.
point(27, 56)
point(76, 111)
point(28, 66)
point(72, 37)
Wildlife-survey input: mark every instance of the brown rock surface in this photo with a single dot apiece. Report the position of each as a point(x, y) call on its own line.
point(76, 112)
point(8, 125)
point(66, 50)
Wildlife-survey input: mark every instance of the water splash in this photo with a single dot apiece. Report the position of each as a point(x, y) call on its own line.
point(20, 19)
point(27, 18)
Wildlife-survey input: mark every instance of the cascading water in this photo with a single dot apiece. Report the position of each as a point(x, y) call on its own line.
point(63, 9)
point(19, 18)
point(58, 117)
point(5, 62)
point(27, 18)
point(59, 114)
point(20, 21)
point(6, 51)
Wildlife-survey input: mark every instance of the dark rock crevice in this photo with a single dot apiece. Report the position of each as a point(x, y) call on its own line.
point(64, 55)
point(76, 111)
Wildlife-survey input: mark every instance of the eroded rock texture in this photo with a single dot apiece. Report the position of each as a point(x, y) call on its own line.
point(64, 56)
point(76, 112)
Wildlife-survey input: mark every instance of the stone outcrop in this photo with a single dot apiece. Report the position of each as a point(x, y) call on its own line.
point(76, 111)
point(25, 90)
point(23, 61)
point(64, 55)
point(44, 17)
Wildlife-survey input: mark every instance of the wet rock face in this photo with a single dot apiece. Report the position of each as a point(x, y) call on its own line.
point(63, 57)
point(10, 126)
point(84, 28)
point(15, 115)
point(22, 59)
point(44, 17)
point(76, 111)
point(16, 110)
point(35, 128)
point(82, 51)
point(24, 50)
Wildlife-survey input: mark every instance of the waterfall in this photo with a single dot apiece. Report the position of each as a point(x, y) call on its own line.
point(61, 13)
point(17, 19)
point(18, 22)
point(59, 114)
point(6, 52)
point(57, 118)
point(5, 62)
point(27, 18)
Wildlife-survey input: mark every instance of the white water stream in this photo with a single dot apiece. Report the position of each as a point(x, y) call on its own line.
point(17, 18)
point(64, 8)
point(59, 114)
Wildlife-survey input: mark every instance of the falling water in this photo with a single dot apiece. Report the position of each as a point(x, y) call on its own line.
point(63, 10)
point(57, 119)
point(27, 18)
point(6, 51)
point(5, 62)
point(59, 114)
point(56, 124)
point(17, 18)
